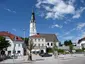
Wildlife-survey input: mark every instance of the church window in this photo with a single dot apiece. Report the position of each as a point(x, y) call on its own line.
point(51, 44)
point(38, 39)
point(48, 44)
point(39, 45)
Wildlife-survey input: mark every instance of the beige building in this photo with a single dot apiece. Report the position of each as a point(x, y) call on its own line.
point(43, 41)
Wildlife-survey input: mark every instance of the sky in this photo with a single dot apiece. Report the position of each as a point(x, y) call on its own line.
point(65, 18)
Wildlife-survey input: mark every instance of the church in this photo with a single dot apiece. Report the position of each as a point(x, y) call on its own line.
point(42, 41)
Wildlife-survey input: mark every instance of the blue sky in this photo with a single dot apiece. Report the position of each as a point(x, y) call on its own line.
point(65, 18)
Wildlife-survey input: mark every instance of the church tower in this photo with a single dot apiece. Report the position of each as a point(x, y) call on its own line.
point(32, 25)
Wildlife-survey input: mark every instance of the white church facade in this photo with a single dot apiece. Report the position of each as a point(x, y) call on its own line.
point(41, 40)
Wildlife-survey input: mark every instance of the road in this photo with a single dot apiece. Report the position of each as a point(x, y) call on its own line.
point(67, 59)
point(79, 60)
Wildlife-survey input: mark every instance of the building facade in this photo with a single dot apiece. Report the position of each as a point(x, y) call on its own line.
point(44, 41)
point(81, 43)
point(16, 44)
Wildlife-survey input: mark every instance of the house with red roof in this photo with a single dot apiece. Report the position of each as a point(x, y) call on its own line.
point(15, 42)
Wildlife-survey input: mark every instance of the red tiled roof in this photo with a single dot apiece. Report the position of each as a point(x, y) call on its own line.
point(37, 36)
point(12, 36)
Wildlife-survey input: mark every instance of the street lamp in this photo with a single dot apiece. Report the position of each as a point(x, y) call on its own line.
point(24, 34)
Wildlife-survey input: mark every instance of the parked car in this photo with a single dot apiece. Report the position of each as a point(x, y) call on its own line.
point(45, 55)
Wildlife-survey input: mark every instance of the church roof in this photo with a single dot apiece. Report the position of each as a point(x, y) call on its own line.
point(48, 37)
point(82, 39)
point(11, 36)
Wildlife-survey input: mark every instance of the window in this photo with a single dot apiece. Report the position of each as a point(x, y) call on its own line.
point(42, 45)
point(51, 44)
point(39, 39)
point(39, 45)
point(48, 44)
point(18, 51)
point(9, 52)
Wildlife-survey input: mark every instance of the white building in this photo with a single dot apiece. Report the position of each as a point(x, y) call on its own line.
point(16, 44)
point(44, 41)
point(81, 43)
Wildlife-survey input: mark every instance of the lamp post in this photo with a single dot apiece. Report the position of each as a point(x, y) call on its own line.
point(14, 53)
point(24, 34)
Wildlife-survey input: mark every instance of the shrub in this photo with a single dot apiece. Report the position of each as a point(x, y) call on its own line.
point(79, 50)
point(49, 50)
point(61, 51)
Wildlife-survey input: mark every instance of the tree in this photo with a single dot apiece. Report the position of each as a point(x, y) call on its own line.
point(60, 44)
point(71, 48)
point(3, 43)
point(55, 49)
point(29, 49)
point(67, 42)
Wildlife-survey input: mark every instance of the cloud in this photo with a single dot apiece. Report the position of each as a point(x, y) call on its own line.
point(79, 36)
point(9, 10)
point(80, 26)
point(14, 29)
point(83, 1)
point(57, 9)
point(78, 12)
point(56, 25)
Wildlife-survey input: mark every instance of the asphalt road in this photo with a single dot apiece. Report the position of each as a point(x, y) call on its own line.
point(78, 60)
point(75, 60)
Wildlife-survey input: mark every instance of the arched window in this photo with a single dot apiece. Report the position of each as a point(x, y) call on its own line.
point(51, 44)
point(48, 44)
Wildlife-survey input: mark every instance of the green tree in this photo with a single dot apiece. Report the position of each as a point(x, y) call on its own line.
point(3, 43)
point(55, 49)
point(29, 49)
point(69, 43)
point(60, 44)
